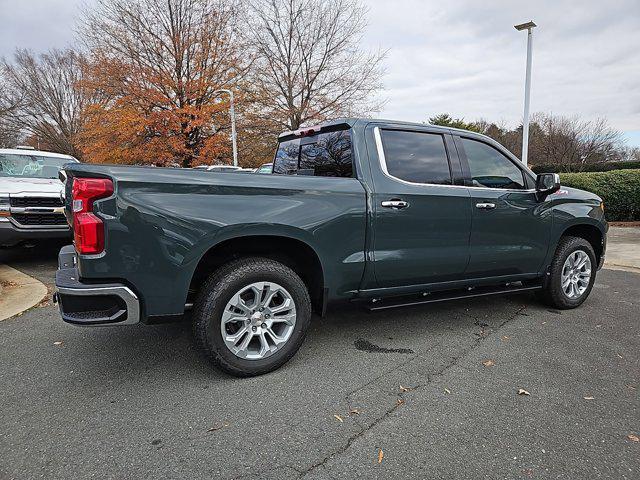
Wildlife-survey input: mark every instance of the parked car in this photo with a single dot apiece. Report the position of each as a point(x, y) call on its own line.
point(384, 213)
point(223, 168)
point(31, 204)
point(265, 168)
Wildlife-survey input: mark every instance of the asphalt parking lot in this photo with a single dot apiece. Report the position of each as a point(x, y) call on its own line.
point(425, 392)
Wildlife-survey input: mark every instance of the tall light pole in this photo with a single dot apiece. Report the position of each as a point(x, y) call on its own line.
point(232, 113)
point(529, 26)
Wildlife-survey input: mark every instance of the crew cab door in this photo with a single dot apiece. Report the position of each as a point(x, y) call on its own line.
point(511, 228)
point(421, 212)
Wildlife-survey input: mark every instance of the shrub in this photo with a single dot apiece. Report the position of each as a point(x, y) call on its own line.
point(619, 189)
point(587, 167)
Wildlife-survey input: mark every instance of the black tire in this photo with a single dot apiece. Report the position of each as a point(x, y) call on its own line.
point(218, 290)
point(552, 293)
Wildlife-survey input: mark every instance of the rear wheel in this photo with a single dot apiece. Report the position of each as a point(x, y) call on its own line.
point(251, 316)
point(572, 274)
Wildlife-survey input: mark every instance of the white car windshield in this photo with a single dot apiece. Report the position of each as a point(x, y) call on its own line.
point(33, 166)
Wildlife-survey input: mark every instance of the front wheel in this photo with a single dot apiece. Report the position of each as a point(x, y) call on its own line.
point(572, 274)
point(251, 316)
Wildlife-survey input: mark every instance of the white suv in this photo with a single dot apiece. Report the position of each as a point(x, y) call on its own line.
point(31, 195)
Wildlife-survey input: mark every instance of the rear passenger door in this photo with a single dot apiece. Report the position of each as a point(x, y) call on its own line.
point(511, 228)
point(421, 210)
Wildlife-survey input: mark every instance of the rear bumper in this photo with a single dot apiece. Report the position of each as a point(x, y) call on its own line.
point(92, 304)
point(10, 235)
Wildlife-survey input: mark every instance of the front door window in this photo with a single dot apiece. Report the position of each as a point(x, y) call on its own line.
point(490, 168)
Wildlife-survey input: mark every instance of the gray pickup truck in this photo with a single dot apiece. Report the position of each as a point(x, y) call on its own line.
point(384, 213)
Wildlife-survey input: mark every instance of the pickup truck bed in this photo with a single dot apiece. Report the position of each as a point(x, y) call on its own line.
point(163, 222)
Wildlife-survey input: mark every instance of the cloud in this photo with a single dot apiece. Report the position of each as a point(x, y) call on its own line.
point(37, 24)
point(458, 56)
point(464, 57)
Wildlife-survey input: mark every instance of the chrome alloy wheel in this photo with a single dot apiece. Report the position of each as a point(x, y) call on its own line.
point(258, 320)
point(576, 274)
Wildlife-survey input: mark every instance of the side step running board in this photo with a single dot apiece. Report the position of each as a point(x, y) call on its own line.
point(408, 301)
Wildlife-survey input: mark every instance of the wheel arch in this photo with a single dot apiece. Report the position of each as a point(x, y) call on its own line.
point(591, 233)
point(293, 252)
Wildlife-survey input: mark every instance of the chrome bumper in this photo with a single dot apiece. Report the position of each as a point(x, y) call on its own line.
point(89, 304)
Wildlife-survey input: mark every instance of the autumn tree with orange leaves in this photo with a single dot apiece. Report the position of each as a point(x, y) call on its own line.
point(154, 69)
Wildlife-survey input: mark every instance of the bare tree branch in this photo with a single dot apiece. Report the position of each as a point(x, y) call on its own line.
point(44, 100)
point(309, 65)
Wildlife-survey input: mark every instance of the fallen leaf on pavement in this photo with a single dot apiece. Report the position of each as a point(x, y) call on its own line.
point(339, 418)
point(380, 455)
point(488, 363)
point(354, 411)
point(522, 391)
point(589, 398)
point(57, 343)
point(633, 438)
point(43, 303)
point(447, 390)
point(399, 402)
point(404, 389)
point(218, 427)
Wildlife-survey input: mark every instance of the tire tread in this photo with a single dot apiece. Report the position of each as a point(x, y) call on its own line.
point(551, 294)
point(219, 281)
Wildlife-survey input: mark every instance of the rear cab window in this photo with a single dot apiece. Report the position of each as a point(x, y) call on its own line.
point(327, 154)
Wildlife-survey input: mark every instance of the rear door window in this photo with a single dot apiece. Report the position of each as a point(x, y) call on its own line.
point(416, 157)
point(325, 155)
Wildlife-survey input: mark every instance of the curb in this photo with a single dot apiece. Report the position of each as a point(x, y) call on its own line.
point(18, 292)
point(622, 268)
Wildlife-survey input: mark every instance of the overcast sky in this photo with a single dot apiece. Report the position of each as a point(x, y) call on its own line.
point(458, 56)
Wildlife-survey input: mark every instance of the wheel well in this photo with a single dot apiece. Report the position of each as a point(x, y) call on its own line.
point(591, 234)
point(295, 254)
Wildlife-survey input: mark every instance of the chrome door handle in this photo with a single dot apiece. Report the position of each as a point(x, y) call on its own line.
point(395, 203)
point(486, 206)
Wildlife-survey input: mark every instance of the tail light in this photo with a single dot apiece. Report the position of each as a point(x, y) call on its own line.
point(88, 229)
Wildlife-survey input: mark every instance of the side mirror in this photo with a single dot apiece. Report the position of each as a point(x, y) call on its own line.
point(546, 184)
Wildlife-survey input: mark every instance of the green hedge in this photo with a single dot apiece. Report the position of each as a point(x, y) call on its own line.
point(619, 189)
point(588, 167)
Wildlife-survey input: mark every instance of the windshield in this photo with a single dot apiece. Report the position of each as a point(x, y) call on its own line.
point(34, 166)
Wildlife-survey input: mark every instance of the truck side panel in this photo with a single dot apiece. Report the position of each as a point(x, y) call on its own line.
point(161, 222)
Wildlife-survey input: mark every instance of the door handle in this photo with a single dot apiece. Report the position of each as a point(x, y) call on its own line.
point(395, 203)
point(486, 206)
